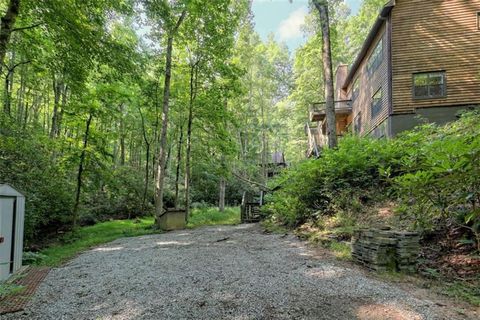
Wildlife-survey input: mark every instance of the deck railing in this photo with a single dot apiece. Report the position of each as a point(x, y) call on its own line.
point(341, 105)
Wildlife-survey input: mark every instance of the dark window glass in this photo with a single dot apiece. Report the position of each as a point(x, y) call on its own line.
point(429, 85)
point(356, 89)
point(421, 91)
point(377, 103)
point(376, 58)
point(478, 20)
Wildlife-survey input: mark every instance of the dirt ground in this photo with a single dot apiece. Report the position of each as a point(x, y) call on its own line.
point(230, 272)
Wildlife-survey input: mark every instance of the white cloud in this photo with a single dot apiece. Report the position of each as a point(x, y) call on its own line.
point(290, 28)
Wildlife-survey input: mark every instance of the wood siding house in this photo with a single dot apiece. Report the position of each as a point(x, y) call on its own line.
point(420, 61)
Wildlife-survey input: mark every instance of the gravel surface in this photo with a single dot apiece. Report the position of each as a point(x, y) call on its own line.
point(231, 272)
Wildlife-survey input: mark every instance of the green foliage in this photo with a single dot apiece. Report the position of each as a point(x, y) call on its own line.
point(212, 216)
point(27, 163)
point(464, 291)
point(73, 243)
point(341, 250)
point(287, 209)
point(9, 289)
point(440, 178)
point(84, 238)
point(432, 172)
point(272, 226)
point(30, 257)
point(343, 179)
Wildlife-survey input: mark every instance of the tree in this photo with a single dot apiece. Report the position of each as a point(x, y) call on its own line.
point(322, 7)
point(171, 22)
point(7, 27)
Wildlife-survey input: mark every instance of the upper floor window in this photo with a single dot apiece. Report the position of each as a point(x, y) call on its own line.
point(377, 102)
point(376, 57)
point(356, 88)
point(478, 20)
point(429, 85)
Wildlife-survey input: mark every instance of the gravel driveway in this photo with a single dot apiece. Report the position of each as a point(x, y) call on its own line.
point(231, 272)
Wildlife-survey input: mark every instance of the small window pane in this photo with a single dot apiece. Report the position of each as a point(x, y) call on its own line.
point(356, 88)
point(435, 79)
point(421, 79)
point(429, 85)
point(376, 57)
point(377, 103)
point(436, 90)
point(421, 91)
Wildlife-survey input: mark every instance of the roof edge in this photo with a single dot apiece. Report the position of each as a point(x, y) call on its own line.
point(384, 13)
point(9, 191)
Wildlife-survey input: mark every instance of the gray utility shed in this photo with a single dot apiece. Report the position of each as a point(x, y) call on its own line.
point(12, 216)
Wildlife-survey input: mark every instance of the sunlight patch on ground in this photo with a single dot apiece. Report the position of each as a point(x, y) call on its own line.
point(106, 249)
point(183, 234)
point(385, 312)
point(173, 243)
point(332, 272)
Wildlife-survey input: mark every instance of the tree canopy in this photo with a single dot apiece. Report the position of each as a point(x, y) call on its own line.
point(104, 103)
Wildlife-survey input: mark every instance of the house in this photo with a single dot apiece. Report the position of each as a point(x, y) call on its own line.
point(421, 59)
point(276, 164)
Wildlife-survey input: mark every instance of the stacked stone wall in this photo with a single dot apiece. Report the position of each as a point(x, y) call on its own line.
point(386, 250)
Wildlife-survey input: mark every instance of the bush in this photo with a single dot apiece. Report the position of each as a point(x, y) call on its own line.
point(441, 179)
point(343, 179)
point(432, 173)
point(27, 162)
point(32, 258)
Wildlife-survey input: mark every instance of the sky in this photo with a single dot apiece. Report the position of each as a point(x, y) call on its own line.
point(284, 19)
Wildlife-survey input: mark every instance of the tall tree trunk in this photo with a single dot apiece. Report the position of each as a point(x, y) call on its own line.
point(62, 107)
point(179, 162)
point(6, 95)
point(147, 161)
point(21, 96)
point(80, 170)
point(57, 93)
point(6, 28)
point(322, 7)
point(122, 137)
point(264, 143)
point(188, 169)
point(160, 176)
point(221, 198)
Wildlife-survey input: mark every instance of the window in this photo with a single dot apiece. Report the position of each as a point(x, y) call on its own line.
point(377, 103)
point(429, 85)
point(478, 20)
point(356, 89)
point(358, 123)
point(376, 58)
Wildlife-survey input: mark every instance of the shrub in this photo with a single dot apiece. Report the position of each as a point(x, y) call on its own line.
point(432, 173)
point(32, 258)
point(28, 163)
point(441, 178)
point(343, 179)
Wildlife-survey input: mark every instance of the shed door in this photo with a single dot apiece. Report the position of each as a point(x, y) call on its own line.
point(6, 228)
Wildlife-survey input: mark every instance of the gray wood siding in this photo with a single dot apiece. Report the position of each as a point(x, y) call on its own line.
point(369, 84)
